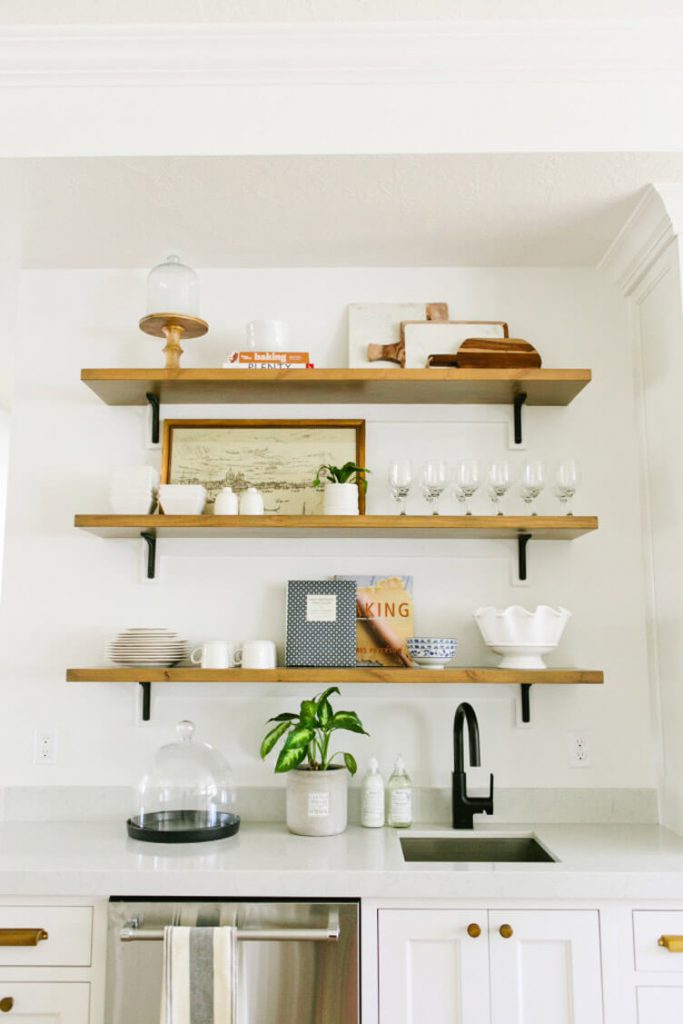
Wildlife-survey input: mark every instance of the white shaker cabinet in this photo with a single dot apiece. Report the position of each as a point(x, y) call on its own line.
point(41, 1002)
point(525, 967)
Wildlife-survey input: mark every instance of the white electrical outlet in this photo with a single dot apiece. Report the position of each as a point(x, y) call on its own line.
point(44, 748)
point(579, 750)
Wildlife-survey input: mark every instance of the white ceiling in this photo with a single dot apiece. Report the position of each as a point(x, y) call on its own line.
point(192, 11)
point(433, 210)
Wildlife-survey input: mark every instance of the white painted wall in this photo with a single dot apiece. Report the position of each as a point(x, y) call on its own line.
point(67, 592)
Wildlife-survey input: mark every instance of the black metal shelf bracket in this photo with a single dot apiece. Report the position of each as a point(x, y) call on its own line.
point(146, 701)
point(151, 541)
point(522, 541)
point(518, 402)
point(154, 403)
point(526, 701)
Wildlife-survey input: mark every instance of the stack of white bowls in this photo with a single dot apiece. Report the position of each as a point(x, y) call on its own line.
point(182, 499)
point(150, 648)
point(133, 490)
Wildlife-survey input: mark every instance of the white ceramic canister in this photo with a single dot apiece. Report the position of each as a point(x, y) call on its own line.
point(340, 499)
point(251, 502)
point(226, 503)
point(263, 335)
point(317, 802)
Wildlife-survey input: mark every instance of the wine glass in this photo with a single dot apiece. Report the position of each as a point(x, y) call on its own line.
point(466, 480)
point(400, 482)
point(567, 479)
point(433, 483)
point(531, 482)
point(500, 478)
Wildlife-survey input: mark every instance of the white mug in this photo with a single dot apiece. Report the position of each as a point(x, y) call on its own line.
point(215, 654)
point(263, 335)
point(251, 502)
point(257, 654)
point(225, 503)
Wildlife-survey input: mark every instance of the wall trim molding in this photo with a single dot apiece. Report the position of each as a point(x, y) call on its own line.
point(525, 52)
point(653, 225)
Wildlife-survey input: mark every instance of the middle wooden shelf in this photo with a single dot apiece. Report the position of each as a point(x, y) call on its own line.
point(373, 526)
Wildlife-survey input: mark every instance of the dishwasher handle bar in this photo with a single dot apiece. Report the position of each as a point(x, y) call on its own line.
point(131, 932)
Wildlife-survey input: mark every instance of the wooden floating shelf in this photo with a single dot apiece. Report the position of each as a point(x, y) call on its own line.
point(339, 386)
point(415, 527)
point(562, 676)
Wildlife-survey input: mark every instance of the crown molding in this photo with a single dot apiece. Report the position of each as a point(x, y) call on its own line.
point(653, 225)
point(529, 51)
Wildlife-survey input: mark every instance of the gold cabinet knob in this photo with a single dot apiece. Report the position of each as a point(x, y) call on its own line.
point(506, 931)
point(674, 943)
point(473, 930)
point(6, 1004)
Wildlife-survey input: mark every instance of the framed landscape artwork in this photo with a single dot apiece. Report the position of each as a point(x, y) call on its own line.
point(279, 457)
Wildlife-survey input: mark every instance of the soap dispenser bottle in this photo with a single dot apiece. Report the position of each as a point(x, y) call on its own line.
point(372, 797)
point(400, 796)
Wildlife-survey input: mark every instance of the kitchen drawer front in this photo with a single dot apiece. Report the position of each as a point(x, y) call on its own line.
point(648, 927)
point(69, 941)
point(44, 1002)
point(660, 1005)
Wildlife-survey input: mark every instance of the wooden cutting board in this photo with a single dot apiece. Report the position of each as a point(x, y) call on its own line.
point(492, 353)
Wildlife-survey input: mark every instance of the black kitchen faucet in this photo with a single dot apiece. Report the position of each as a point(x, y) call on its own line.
point(464, 806)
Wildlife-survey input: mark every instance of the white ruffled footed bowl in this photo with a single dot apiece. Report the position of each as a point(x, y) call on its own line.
point(521, 636)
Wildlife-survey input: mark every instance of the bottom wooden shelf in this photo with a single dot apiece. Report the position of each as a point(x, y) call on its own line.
point(146, 676)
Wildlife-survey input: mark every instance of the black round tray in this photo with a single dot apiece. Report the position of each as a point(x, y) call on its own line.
point(183, 827)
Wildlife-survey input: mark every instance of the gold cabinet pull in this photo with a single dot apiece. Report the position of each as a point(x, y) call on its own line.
point(506, 931)
point(473, 930)
point(674, 943)
point(6, 1004)
point(22, 936)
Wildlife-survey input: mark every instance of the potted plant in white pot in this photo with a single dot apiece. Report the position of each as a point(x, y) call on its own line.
point(341, 483)
point(317, 788)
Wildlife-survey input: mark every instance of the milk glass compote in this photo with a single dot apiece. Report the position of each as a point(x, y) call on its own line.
point(466, 480)
point(531, 482)
point(567, 479)
point(400, 482)
point(500, 479)
point(433, 483)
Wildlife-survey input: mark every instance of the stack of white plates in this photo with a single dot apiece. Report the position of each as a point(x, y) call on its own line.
point(153, 648)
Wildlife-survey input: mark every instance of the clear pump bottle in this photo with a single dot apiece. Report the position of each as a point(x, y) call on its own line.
point(400, 790)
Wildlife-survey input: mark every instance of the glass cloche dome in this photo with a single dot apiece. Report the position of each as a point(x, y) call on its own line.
point(173, 287)
point(187, 796)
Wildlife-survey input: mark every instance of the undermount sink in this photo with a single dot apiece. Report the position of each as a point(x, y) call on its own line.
point(451, 849)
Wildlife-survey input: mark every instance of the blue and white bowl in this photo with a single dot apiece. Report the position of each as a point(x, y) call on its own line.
point(431, 651)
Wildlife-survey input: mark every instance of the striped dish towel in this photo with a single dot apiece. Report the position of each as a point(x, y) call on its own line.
point(200, 969)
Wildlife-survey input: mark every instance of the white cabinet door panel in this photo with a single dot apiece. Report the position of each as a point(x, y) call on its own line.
point(548, 970)
point(660, 1005)
point(430, 970)
point(43, 1002)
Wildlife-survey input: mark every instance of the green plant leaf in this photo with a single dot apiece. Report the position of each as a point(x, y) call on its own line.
point(286, 716)
point(347, 720)
point(289, 758)
point(350, 762)
point(271, 738)
point(307, 712)
point(300, 737)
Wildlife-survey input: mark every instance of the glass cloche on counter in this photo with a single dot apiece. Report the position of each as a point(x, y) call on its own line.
point(172, 287)
point(187, 796)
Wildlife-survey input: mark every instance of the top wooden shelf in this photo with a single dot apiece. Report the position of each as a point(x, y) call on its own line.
point(351, 386)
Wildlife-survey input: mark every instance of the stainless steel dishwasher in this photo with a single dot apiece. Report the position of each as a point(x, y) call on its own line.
point(298, 962)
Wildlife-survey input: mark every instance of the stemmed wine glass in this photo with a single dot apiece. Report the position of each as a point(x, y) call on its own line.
point(466, 480)
point(433, 483)
point(500, 478)
point(567, 479)
point(400, 482)
point(531, 482)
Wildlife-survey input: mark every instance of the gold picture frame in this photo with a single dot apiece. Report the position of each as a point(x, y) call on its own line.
point(279, 457)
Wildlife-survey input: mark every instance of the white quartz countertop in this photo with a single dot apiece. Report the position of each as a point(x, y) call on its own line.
point(77, 859)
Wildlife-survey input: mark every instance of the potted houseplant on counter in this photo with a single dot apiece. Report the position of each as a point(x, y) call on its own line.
point(341, 485)
point(317, 786)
